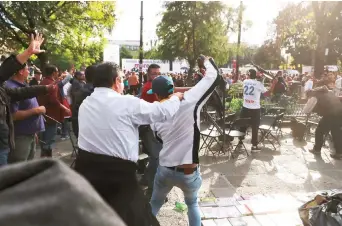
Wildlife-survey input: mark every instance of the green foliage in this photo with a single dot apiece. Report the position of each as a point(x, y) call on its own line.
point(191, 28)
point(235, 105)
point(268, 55)
point(127, 54)
point(235, 90)
point(73, 30)
point(307, 28)
point(153, 53)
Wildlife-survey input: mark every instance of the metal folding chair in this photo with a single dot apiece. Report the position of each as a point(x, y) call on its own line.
point(267, 130)
point(211, 134)
point(235, 132)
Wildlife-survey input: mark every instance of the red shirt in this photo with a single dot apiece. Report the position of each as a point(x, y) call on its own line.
point(148, 97)
point(52, 102)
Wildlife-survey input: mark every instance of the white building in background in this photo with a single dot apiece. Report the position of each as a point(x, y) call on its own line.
point(111, 53)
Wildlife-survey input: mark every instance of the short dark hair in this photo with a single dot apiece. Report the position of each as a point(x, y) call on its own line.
point(152, 66)
point(78, 74)
point(49, 70)
point(252, 73)
point(106, 74)
point(163, 97)
point(90, 73)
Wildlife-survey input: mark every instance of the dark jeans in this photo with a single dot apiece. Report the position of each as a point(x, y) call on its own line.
point(3, 157)
point(65, 127)
point(331, 124)
point(74, 123)
point(47, 139)
point(254, 114)
point(153, 147)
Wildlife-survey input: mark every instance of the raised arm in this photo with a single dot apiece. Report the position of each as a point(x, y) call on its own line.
point(14, 63)
point(147, 113)
point(22, 93)
point(204, 87)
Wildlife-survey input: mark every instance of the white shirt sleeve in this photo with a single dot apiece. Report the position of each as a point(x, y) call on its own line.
point(66, 79)
point(197, 92)
point(262, 88)
point(66, 90)
point(145, 113)
point(310, 105)
point(308, 85)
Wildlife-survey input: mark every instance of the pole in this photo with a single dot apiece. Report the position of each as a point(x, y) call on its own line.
point(141, 53)
point(238, 43)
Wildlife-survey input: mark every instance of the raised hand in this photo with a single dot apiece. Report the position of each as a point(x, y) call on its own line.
point(36, 42)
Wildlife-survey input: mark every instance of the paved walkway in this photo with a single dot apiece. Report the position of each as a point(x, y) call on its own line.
point(235, 189)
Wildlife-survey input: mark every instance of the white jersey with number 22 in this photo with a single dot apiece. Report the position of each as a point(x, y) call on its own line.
point(252, 90)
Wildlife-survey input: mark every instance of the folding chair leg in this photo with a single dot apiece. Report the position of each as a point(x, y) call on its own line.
point(245, 148)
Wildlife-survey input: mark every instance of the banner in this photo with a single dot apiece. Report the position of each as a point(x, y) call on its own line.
point(133, 64)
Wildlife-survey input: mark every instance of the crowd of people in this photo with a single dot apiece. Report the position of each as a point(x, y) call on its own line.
point(164, 114)
point(108, 125)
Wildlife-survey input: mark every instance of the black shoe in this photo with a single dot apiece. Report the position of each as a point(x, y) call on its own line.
point(255, 149)
point(336, 156)
point(43, 153)
point(315, 152)
point(49, 153)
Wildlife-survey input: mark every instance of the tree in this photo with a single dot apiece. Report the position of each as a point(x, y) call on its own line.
point(125, 54)
point(72, 29)
point(188, 29)
point(307, 29)
point(268, 55)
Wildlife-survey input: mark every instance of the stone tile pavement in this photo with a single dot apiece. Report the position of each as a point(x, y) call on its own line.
point(262, 189)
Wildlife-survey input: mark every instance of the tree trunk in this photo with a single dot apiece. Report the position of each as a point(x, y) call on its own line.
point(43, 59)
point(189, 78)
point(322, 34)
point(320, 55)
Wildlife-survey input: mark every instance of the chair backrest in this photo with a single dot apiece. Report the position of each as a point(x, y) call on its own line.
point(212, 121)
point(278, 119)
point(216, 102)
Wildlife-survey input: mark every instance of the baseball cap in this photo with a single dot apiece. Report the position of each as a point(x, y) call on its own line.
point(161, 85)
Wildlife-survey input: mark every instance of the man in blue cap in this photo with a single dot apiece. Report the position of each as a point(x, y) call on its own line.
point(162, 86)
point(180, 135)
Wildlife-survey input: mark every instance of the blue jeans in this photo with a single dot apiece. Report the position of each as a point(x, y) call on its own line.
point(190, 184)
point(3, 157)
point(153, 147)
point(47, 138)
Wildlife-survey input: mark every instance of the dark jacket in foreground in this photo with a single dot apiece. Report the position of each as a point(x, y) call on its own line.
point(79, 97)
point(7, 69)
point(327, 103)
point(49, 193)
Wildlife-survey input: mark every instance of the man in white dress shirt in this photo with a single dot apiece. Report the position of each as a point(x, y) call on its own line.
point(178, 159)
point(108, 143)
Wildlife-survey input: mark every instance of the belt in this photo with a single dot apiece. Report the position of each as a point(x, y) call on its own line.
point(186, 171)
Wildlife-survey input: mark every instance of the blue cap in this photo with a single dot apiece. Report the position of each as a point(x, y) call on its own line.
point(161, 85)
